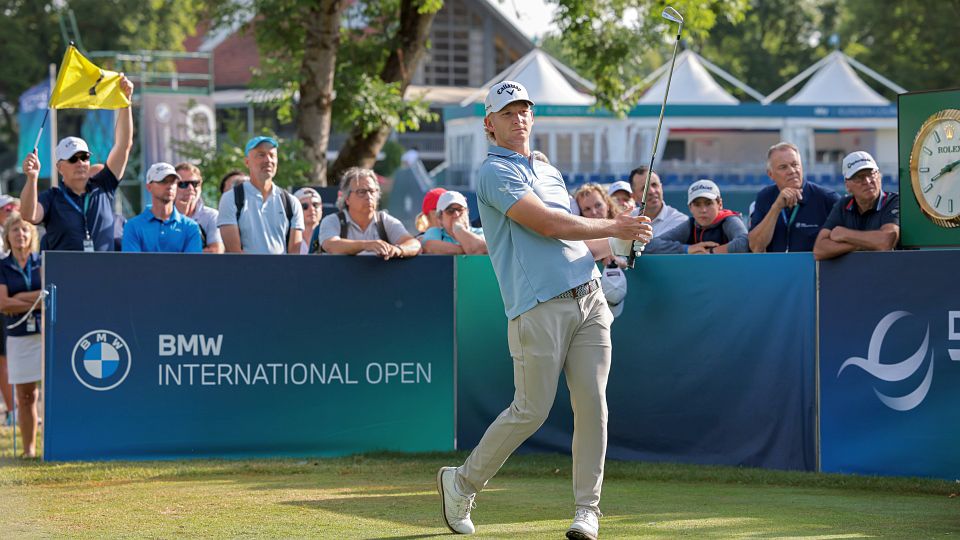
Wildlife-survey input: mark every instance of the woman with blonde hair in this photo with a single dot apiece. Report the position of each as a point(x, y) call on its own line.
point(594, 202)
point(19, 293)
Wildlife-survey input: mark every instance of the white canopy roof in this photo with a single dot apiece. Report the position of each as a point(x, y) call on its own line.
point(691, 84)
point(541, 74)
point(834, 82)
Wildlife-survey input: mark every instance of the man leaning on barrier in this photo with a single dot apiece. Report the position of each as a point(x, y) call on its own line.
point(359, 227)
point(866, 220)
point(79, 215)
point(788, 215)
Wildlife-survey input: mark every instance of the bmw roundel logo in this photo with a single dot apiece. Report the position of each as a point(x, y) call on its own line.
point(101, 360)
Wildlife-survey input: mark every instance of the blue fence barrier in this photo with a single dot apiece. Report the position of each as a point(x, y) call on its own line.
point(162, 356)
point(890, 364)
point(713, 362)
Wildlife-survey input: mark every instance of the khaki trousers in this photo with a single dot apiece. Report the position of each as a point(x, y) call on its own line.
point(569, 334)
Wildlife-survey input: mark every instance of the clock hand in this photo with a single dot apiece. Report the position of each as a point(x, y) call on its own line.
point(946, 168)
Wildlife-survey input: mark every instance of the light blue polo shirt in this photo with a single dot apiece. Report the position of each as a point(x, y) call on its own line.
point(146, 233)
point(531, 268)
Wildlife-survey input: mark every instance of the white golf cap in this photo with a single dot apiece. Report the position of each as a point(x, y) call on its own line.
point(451, 197)
point(857, 161)
point(159, 171)
point(70, 146)
point(702, 188)
point(614, 284)
point(620, 185)
point(503, 94)
point(308, 193)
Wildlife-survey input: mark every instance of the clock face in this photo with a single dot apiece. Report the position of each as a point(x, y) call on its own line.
point(935, 168)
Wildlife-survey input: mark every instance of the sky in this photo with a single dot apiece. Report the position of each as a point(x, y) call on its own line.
point(532, 17)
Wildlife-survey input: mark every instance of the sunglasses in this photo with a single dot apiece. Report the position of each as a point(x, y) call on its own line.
point(184, 184)
point(79, 156)
point(308, 205)
point(454, 210)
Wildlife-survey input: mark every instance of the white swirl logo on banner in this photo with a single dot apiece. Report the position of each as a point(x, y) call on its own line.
point(895, 372)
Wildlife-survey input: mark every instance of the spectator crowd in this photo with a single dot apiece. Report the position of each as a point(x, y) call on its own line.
point(254, 215)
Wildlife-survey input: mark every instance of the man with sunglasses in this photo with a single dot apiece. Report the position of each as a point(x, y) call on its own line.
point(190, 203)
point(454, 236)
point(79, 215)
point(161, 228)
point(868, 219)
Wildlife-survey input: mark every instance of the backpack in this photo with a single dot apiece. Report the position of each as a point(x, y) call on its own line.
point(345, 228)
point(239, 198)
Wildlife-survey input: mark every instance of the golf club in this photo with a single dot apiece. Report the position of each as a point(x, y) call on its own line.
point(669, 14)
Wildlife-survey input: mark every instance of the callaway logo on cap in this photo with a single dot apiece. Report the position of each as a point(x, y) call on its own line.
point(503, 94)
point(856, 162)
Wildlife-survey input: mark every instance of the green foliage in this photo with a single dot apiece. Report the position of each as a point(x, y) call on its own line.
point(31, 38)
point(915, 43)
point(775, 40)
point(610, 41)
point(362, 98)
point(292, 169)
point(392, 151)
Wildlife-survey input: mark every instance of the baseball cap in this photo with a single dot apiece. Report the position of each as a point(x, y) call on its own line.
point(620, 185)
point(70, 146)
point(161, 170)
point(503, 94)
point(614, 284)
point(430, 200)
point(703, 188)
point(5, 200)
point(857, 161)
point(451, 197)
point(307, 192)
point(256, 141)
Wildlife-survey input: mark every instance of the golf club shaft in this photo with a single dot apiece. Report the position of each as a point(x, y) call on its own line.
point(631, 259)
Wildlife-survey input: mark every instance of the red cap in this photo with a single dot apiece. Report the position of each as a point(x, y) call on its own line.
point(430, 200)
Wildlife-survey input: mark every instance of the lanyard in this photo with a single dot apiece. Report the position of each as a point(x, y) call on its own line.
point(83, 213)
point(793, 216)
point(27, 278)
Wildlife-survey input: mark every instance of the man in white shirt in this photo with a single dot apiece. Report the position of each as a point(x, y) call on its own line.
point(663, 216)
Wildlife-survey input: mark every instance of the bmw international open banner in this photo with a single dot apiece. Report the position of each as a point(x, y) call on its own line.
point(890, 364)
point(156, 356)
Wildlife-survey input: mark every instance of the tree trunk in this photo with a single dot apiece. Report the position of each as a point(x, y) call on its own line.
point(359, 149)
point(316, 83)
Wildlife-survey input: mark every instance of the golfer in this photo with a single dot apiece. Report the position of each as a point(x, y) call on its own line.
point(543, 256)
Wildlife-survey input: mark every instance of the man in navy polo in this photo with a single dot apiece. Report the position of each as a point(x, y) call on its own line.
point(788, 215)
point(866, 220)
point(79, 215)
point(161, 228)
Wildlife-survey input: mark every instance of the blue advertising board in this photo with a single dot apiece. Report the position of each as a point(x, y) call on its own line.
point(164, 356)
point(890, 364)
point(713, 362)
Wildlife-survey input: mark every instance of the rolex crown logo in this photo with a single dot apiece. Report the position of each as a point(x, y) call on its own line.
point(949, 130)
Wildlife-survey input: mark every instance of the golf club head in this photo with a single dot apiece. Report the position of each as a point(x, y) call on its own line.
point(671, 14)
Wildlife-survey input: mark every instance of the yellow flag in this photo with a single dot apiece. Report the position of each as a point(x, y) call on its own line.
point(82, 85)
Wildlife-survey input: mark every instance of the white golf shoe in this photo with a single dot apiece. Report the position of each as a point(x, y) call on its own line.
point(586, 525)
point(455, 507)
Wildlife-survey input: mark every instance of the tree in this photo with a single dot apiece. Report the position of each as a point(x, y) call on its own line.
point(775, 40)
point(912, 42)
point(608, 40)
point(406, 46)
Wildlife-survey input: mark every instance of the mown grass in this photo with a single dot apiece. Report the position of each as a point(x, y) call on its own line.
point(393, 496)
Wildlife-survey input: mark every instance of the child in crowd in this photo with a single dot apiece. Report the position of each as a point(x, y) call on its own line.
point(712, 229)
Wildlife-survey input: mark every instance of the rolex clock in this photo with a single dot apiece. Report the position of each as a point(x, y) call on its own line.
point(928, 137)
point(935, 168)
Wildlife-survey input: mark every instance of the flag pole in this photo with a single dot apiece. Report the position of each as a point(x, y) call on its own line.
point(36, 143)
